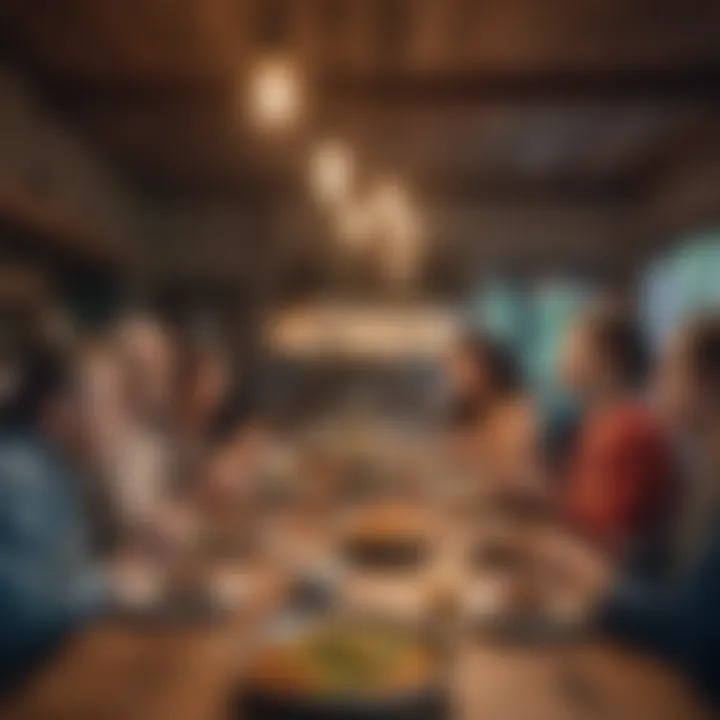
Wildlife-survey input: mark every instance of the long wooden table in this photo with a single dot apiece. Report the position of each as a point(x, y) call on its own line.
point(119, 670)
point(122, 671)
point(114, 673)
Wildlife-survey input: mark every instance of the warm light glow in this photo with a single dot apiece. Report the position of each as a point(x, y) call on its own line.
point(362, 331)
point(389, 197)
point(275, 94)
point(399, 226)
point(331, 171)
point(353, 224)
point(393, 209)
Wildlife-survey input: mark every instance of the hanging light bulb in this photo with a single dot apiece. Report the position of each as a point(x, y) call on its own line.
point(275, 94)
point(331, 171)
point(399, 225)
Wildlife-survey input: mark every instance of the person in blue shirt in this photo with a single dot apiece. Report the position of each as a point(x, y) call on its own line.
point(49, 584)
point(680, 621)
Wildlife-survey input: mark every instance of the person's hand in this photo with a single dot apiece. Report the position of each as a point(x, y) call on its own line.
point(133, 581)
point(230, 479)
point(582, 568)
point(175, 524)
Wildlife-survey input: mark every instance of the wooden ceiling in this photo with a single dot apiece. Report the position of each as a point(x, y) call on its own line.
point(475, 98)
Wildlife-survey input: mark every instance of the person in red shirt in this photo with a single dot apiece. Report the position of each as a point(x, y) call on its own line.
point(623, 473)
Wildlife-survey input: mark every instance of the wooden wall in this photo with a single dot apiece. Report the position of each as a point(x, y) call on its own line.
point(63, 212)
point(41, 159)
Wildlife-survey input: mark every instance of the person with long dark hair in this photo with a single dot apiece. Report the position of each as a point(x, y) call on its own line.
point(490, 415)
point(483, 372)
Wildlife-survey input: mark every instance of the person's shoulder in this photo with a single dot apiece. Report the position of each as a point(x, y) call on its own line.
point(627, 414)
point(23, 460)
point(630, 423)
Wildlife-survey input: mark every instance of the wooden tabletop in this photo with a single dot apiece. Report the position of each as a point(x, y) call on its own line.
point(124, 669)
point(119, 670)
point(114, 673)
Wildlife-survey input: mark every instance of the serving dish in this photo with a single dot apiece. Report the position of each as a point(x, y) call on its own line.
point(345, 669)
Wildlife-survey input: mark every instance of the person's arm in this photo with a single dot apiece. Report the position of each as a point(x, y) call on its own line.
point(682, 626)
point(48, 580)
point(644, 617)
point(29, 611)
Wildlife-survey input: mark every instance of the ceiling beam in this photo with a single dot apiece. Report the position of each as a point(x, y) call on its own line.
point(625, 85)
point(453, 188)
point(572, 188)
point(660, 85)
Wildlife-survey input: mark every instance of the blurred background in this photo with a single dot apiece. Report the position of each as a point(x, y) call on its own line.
point(257, 228)
point(243, 156)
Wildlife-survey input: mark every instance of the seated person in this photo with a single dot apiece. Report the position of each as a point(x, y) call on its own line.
point(491, 416)
point(623, 474)
point(106, 450)
point(48, 583)
point(125, 463)
point(144, 460)
point(217, 423)
point(237, 444)
point(202, 390)
point(681, 624)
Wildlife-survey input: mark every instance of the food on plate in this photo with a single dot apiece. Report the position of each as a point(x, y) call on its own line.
point(390, 521)
point(337, 659)
point(389, 533)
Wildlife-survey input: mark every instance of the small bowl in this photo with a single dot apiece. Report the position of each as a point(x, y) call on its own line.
point(389, 553)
